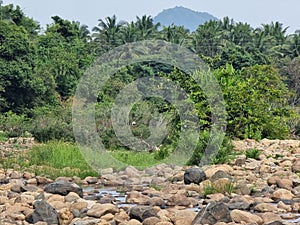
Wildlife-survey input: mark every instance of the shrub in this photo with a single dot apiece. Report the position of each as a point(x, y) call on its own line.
point(253, 153)
point(13, 125)
point(52, 123)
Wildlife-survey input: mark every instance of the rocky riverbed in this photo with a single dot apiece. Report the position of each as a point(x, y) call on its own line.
point(244, 191)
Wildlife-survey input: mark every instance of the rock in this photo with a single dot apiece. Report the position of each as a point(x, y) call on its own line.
point(63, 188)
point(178, 199)
point(135, 197)
point(155, 201)
point(283, 206)
point(285, 183)
point(65, 216)
point(72, 197)
point(91, 180)
point(240, 160)
point(296, 166)
point(43, 212)
point(239, 216)
point(270, 217)
point(183, 217)
point(133, 222)
point(151, 221)
point(240, 202)
point(194, 175)
point(98, 210)
point(265, 207)
point(220, 174)
point(283, 194)
point(214, 212)
point(213, 169)
point(141, 213)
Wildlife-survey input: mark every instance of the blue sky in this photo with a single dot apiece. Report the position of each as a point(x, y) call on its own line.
point(255, 12)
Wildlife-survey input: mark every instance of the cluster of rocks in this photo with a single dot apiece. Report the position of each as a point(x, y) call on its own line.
point(245, 191)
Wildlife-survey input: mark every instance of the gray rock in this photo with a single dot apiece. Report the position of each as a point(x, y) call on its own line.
point(142, 212)
point(194, 175)
point(219, 175)
point(214, 212)
point(43, 212)
point(63, 188)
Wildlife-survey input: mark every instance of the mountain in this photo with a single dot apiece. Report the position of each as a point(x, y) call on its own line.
point(181, 16)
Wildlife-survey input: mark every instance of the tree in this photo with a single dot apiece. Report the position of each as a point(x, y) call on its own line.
point(107, 33)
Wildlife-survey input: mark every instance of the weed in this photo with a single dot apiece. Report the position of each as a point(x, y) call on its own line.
point(253, 153)
point(223, 188)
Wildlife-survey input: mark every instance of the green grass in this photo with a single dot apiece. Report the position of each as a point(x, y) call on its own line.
point(253, 153)
point(52, 159)
point(224, 188)
point(140, 160)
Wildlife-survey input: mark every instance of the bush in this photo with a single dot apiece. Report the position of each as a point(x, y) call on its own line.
point(13, 125)
point(52, 123)
point(253, 153)
point(224, 154)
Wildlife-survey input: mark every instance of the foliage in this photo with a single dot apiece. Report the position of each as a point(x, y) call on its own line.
point(253, 153)
point(224, 188)
point(13, 125)
point(52, 123)
point(52, 159)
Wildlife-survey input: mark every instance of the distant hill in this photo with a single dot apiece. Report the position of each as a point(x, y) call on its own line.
point(181, 16)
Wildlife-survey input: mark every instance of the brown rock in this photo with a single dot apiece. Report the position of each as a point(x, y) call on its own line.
point(296, 166)
point(65, 216)
point(270, 217)
point(135, 197)
point(99, 210)
point(151, 221)
point(283, 206)
point(283, 194)
point(265, 207)
point(134, 222)
point(285, 183)
point(239, 216)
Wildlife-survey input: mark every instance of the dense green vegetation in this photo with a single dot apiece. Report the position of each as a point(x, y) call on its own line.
point(258, 70)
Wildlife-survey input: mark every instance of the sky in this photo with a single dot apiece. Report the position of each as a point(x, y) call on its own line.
point(254, 12)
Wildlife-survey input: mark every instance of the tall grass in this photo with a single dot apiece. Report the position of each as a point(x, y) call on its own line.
point(52, 159)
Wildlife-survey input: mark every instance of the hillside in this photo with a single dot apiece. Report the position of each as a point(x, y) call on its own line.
point(181, 16)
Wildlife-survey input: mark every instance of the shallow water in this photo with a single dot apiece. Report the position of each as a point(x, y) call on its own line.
point(121, 199)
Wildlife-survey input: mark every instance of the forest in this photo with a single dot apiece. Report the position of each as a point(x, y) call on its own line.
point(258, 70)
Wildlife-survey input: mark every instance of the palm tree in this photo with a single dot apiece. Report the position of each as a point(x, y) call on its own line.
point(146, 27)
point(175, 34)
point(108, 32)
point(130, 33)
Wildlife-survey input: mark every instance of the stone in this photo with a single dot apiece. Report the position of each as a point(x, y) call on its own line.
point(63, 188)
point(240, 216)
point(151, 221)
point(141, 213)
point(296, 166)
point(265, 207)
point(155, 201)
point(194, 175)
point(91, 180)
point(133, 222)
point(179, 200)
point(213, 169)
point(283, 194)
point(220, 174)
point(285, 183)
point(135, 197)
point(43, 212)
point(65, 216)
point(72, 197)
point(270, 217)
point(214, 212)
point(98, 210)
point(240, 202)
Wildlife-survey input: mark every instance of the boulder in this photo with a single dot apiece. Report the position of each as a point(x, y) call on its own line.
point(240, 216)
point(194, 175)
point(43, 212)
point(141, 213)
point(214, 212)
point(63, 188)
